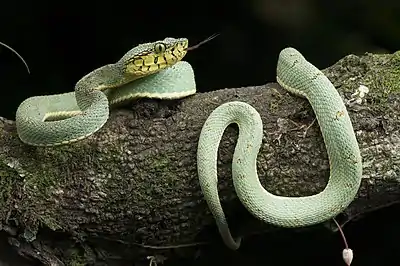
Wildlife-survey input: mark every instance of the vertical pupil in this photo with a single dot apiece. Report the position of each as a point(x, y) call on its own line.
point(159, 48)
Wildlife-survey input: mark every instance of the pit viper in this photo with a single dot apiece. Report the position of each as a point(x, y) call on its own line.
point(301, 78)
point(152, 70)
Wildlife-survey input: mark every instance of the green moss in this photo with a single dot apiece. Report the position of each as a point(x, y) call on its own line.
point(75, 259)
point(391, 79)
point(386, 80)
point(43, 178)
point(50, 222)
point(382, 77)
point(7, 181)
point(161, 162)
point(40, 181)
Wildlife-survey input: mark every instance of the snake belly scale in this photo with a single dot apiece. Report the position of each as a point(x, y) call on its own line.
point(152, 70)
point(298, 76)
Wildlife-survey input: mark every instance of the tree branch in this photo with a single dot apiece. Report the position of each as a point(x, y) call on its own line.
point(135, 180)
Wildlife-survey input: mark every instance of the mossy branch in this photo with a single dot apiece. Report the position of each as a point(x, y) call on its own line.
point(135, 181)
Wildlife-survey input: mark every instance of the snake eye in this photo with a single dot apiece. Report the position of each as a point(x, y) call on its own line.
point(159, 47)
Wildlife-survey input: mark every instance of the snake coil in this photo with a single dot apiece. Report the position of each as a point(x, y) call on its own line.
point(301, 78)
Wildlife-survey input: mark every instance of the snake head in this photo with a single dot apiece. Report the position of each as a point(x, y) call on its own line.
point(149, 58)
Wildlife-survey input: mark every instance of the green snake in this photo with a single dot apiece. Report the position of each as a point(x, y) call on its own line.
point(155, 70)
point(298, 76)
point(152, 70)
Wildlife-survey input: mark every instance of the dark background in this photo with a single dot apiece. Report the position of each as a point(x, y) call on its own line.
point(63, 41)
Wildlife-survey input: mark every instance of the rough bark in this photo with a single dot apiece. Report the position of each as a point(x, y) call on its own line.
point(135, 180)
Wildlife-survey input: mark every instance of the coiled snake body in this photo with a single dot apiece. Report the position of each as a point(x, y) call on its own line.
point(153, 70)
point(300, 77)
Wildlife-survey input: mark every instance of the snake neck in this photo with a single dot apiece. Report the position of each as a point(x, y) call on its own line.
point(106, 77)
point(89, 90)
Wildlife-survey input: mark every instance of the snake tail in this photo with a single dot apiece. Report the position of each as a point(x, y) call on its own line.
point(301, 78)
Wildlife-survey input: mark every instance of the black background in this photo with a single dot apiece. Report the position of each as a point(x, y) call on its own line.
point(63, 41)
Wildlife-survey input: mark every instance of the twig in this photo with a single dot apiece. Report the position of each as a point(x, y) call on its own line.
point(20, 57)
point(347, 253)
